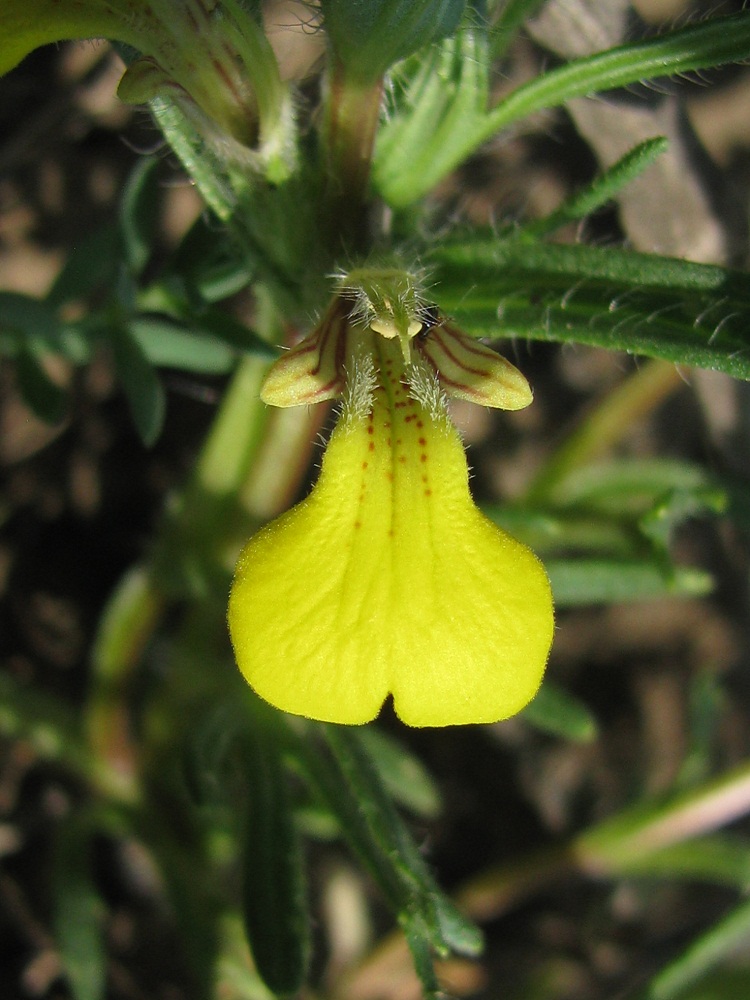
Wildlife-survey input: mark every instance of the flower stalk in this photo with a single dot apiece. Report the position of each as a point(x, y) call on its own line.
point(353, 112)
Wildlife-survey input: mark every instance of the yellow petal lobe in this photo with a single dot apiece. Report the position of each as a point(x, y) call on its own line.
point(388, 579)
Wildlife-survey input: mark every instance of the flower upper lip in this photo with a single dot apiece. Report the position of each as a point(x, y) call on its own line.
point(387, 578)
point(315, 369)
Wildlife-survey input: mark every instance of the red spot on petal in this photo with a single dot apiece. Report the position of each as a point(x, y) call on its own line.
point(423, 457)
point(357, 524)
point(372, 446)
point(428, 493)
point(420, 424)
point(423, 441)
point(364, 465)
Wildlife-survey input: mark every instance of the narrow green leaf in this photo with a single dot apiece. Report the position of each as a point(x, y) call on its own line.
point(342, 776)
point(604, 581)
point(555, 711)
point(139, 215)
point(196, 157)
point(718, 859)
point(704, 954)
point(125, 623)
point(143, 389)
point(601, 428)
point(551, 532)
point(43, 396)
point(234, 978)
point(601, 190)
point(659, 523)
point(386, 847)
point(324, 774)
point(273, 893)
point(403, 774)
point(78, 914)
point(168, 343)
point(457, 933)
point(713, 42)
point(440, 101)
point(649, 827)
point(692, 314)
point(630, 485)
point(207, 262)
point(207, 755)
point(424, 965)
point(91, 264)
point(232, 332)
point(487, 253)
point(721, 984)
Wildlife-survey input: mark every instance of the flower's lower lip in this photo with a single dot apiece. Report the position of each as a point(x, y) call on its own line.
point(387, 579)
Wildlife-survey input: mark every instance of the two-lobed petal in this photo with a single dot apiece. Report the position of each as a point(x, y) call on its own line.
point(388, 579)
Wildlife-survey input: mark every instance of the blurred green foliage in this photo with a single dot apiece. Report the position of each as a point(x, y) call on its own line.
point(220, 783)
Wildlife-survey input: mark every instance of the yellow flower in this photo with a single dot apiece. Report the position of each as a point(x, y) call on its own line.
point(387, 579)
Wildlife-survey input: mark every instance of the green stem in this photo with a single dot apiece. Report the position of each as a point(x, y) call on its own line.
point(235, 437)
point(126, 627)
point(353, 113)
point(53, 732)
point(281, 463)
point(135, 609)
point(615, 847)
point(623, 845)
point(714, 42)
point(723, 941)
